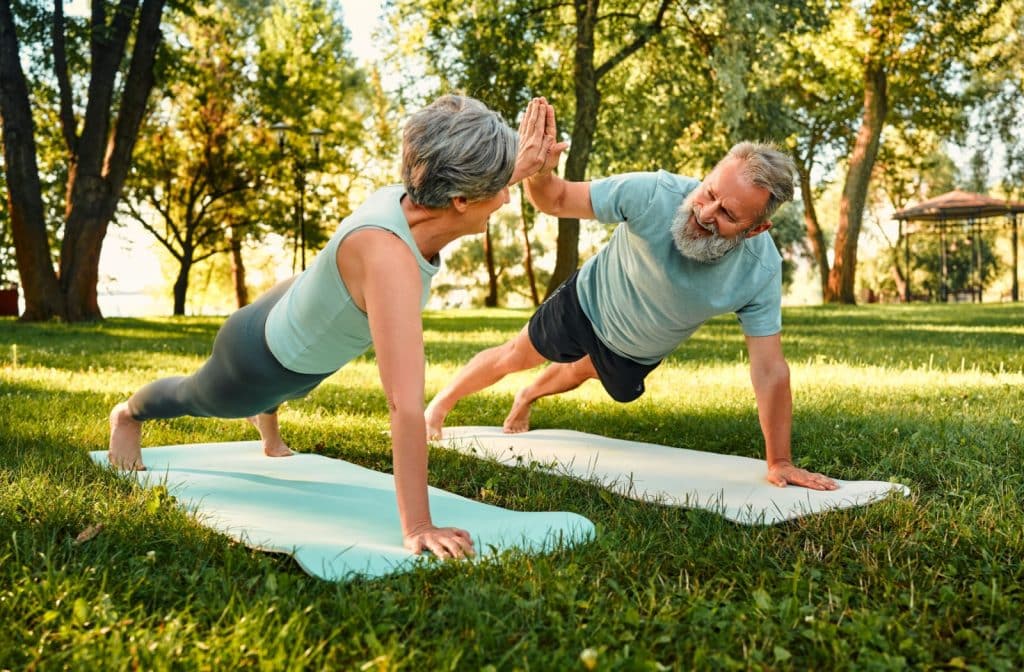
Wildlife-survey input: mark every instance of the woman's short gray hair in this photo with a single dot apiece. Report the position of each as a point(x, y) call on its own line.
point(456, 147)
point(769, 168)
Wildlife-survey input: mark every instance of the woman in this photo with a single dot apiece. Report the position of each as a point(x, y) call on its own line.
point(367, 287)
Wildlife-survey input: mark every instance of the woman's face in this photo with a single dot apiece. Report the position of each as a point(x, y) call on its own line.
point(480, 211)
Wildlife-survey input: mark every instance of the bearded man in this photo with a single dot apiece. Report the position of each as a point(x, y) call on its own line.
point(684, 251)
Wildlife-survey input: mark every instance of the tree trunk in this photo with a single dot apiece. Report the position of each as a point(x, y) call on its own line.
point(43, 298)
point(491, 300)
point(529, 217)
point(814, 233)
point(238, 270)
point(588, 98)
point(98, 160)
point(851, 207)
point(181, 286)
point(897, 277)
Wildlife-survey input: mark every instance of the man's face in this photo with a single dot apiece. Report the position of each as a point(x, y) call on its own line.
point(717, 215)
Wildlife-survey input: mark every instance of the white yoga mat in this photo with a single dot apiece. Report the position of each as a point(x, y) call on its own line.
point(337, 519)
point(732, 486)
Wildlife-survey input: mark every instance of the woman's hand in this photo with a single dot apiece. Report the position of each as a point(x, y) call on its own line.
point(444, 542)
point(538, 151)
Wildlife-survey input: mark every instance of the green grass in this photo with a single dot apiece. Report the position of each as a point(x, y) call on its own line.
point(930, 396)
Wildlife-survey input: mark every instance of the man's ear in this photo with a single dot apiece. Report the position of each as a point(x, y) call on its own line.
point(460, 203)
point(759, 228)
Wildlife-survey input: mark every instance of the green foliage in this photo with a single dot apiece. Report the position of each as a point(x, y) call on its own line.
point(963, 271)
point(209, 171)
point(789, 233)
point(467, 263)
point(929, 396)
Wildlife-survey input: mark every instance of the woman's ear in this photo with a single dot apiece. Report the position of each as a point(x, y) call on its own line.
point(460, 203)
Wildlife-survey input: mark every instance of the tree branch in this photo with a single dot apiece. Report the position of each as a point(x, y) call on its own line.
point(60, 70)
point(646, 33)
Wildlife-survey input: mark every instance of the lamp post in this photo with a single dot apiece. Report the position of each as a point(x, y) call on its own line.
point(299, 166)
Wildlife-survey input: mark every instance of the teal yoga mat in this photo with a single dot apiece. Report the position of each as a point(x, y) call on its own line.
point(338, 520)
point(732, 486)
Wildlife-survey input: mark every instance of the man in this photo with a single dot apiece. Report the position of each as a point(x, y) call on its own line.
point(684, 252)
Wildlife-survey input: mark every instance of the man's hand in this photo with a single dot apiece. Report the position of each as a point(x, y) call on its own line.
point(444, 542)
point(784, 473)
point(538, 152)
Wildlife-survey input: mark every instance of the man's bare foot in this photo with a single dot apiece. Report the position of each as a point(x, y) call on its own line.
point(435, 421)
point(270, 435)
point(125, 451)
point(518, 419)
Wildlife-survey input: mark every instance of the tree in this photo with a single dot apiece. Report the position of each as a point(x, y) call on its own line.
point(209, 176)
point(189, 179)
point(912, 55)
point(1000, 89)
point(98, 155)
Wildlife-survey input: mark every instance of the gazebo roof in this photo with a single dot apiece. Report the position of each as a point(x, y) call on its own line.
point(958, 205)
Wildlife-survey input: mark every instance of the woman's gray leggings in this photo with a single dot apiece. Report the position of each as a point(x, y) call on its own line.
point(241, 378)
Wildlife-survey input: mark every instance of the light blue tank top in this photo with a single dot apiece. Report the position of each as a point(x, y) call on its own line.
point(316, 327)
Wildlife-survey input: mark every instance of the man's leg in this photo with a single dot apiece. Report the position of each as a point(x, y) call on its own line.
point(485, 369)
point(270, 434)
point(555, 379)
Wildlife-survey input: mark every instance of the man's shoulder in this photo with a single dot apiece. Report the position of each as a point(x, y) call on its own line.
point(650, 180)
point(630, 194)
point(761, 251)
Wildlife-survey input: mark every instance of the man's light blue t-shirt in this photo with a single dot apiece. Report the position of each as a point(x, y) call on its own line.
point(644, 297)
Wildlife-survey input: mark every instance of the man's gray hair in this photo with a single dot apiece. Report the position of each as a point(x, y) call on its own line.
point(769, 168)
point(456, 147)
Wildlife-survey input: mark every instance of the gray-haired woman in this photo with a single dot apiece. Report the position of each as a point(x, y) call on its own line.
point(366, 287)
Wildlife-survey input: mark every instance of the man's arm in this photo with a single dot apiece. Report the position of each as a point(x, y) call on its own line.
point(769, 374)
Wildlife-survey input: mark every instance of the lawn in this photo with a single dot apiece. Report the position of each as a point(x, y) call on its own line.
point(929, 396)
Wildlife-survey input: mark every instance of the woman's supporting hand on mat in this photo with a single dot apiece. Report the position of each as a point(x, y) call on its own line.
point(784, 472)
point(444, 542)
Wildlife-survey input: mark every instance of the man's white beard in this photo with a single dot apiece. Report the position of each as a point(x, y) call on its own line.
point(693, 245)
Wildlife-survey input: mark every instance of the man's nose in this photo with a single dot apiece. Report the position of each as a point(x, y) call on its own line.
point(708, 212)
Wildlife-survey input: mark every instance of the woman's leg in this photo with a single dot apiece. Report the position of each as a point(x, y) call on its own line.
point(241, 379)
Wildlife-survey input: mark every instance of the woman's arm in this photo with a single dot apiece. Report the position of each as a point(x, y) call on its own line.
point(548, 192)
point(383, 278)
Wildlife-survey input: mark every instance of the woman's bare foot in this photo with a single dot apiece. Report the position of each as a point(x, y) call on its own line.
point(270, 435)
point(125, 451)
point(434, 418)
point(518, 418)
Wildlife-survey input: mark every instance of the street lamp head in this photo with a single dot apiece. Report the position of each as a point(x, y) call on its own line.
point(281, 129)
point(316, 134)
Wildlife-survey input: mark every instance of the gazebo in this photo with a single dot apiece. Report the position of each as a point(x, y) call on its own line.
point(964, 213)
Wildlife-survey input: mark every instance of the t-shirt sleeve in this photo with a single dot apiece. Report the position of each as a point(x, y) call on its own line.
point(623, 197)
point(762, 316)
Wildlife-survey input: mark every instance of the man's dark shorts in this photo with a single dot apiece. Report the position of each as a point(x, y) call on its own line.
point(561, 332)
